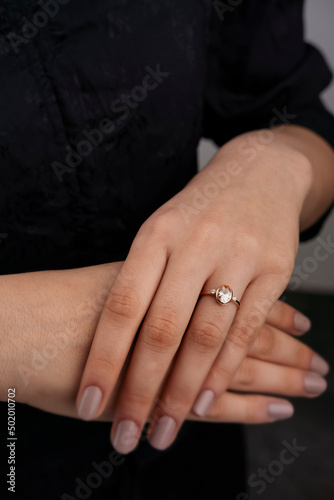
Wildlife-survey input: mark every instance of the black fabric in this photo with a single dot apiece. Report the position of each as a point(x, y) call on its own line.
point(262, 74)
point(221, 78)
point(63, 458)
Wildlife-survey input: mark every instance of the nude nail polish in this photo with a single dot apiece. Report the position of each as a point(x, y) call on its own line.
point(125, 439)
point(319, 365)
point(280, 411)
point(314, 384)
point(162, 433)
point(90, 402)
point(203, 403)
point(301, 323)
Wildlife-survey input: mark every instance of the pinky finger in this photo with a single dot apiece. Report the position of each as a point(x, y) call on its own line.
point(247, 409)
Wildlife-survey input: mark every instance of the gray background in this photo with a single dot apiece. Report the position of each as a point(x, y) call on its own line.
point(319, 21)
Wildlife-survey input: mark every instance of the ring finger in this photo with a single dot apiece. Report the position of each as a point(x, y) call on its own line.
point(200, 345)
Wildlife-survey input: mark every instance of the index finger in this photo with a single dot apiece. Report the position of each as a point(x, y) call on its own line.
point(123, 312)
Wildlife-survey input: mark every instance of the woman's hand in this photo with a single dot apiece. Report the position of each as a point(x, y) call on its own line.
point(235, 223)
point(278, 364)
point(48, 323)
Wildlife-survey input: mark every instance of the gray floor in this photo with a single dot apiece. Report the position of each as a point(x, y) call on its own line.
point(311, 475)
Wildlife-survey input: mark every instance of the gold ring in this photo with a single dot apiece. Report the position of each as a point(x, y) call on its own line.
point(223, 295)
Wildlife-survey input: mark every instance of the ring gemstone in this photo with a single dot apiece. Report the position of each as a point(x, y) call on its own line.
point(224, 295)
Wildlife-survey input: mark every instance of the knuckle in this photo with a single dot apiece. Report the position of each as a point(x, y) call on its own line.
point(205, 337)
point(220, 411)
point(302, 356)
point(246, 375)
point(123, 305)
point(242, 335)
point(281, 263)
point(265, 342)
point(102, 363)
point(252, 410)
point(137, 400)
point(160, 224)
point(220, 376)
point(160, 331)
point(293, 383)
point(174, 404)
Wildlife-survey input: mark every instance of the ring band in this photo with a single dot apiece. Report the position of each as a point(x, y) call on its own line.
point(223, 295)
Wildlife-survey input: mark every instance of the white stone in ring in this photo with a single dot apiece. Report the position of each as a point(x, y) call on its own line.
point(224, 295)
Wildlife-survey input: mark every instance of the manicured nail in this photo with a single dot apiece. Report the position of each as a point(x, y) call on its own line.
point(125, 439)
point(203, 403)
point(319, 365)
point(314, 384)
point(280, 411)
point(302, 323)
point(90, 403)
point(162, 433)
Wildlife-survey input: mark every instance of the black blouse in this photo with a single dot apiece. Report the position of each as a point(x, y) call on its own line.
point(102, 106)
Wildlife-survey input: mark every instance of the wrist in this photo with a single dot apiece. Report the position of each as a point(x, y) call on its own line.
point(277, 167)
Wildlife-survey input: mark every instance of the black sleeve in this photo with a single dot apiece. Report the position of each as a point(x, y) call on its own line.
point(261, 73)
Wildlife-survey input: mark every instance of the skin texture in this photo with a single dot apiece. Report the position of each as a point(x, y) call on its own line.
point(244, 233)
point(45, 344)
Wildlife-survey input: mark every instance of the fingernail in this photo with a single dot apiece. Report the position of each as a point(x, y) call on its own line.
point(314, 384)
point(302, 323)
point(125, 439)
point(90, 403)
point(162, 433)
point(319, 365)
point(203, 403)
point(280, 411)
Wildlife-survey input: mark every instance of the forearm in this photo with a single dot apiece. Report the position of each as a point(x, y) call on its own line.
point(47, 323)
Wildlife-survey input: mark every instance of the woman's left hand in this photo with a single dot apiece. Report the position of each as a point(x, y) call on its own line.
point(236, 223)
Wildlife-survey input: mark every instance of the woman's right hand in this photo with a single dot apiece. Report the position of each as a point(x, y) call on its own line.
point(47, 325)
